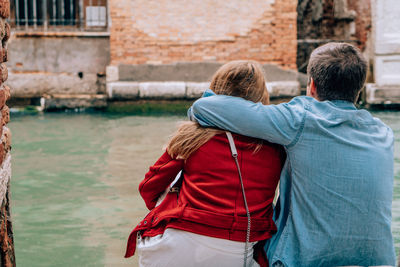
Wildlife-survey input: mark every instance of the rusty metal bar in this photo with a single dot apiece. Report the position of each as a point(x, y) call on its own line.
point(45, 17)
point(62, 12)
point(81, 14)
point(17, 13)
point(26, 13)
point(71, 12)
point(34, 5)
point(54, 17)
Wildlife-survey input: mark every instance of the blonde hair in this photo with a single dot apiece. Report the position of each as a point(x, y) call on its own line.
point(239, 78)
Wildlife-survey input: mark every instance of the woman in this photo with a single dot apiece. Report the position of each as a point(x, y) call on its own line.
point(207, 224)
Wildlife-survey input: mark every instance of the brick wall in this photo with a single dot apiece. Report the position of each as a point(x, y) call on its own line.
point(7, 256)
point(169, 31)
point(363, 21)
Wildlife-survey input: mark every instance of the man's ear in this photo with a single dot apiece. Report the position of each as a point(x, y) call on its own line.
point(312, 89)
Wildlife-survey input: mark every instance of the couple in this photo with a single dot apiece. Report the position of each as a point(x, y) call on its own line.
point(335, 170)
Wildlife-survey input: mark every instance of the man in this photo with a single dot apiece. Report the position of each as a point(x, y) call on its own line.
point(336, 185)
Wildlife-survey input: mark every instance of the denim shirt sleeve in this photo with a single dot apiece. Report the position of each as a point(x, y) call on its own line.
point(281, 124)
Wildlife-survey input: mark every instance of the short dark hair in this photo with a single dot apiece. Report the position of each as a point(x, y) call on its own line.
point(339, 71)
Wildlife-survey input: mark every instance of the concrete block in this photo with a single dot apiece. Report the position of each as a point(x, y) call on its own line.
point(123, 90)
point(303, 79)
point(195, 90)
point(386, 89)
point(181, 71)
point(164, 90)
point(37, 84)
point(283, 88)
point(52, 102)
point(112, 73)
point(274, 73)
point(377, 94)
point(67, 54)
point(189, 72)
point(70, 83)
point(387, 69)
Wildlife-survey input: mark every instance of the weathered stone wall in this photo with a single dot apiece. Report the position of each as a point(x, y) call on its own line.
point(386, 54)
point(67, 63)
point(7, 255)
point(363, 21)
point(323, 21)
point(185, 80)
point(165, 31)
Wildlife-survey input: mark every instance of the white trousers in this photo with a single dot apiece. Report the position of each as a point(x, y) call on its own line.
point(181, 248)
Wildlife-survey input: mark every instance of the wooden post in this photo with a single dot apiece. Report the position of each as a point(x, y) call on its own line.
point(7, 254)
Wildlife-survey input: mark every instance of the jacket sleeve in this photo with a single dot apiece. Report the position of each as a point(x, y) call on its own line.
point(158, 178)
point(279, 124)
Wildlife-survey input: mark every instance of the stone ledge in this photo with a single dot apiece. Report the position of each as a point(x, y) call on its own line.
point(283, 89)
point(53, 102)
point(162, 90)
point(26, 85)
point(184, 90)
point(381, 94)
point(195, 90)
point(123, 90)
point(186, 72)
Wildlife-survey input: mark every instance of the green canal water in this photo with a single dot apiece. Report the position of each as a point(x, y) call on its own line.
point(75, 178)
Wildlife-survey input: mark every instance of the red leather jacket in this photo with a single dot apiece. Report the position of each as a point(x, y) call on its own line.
point(210, 200)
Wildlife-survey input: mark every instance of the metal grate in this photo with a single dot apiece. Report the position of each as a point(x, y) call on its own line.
point(48, 15)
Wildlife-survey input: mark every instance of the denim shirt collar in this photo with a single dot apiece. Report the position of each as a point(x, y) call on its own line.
point(343, 104)
point(208, 92)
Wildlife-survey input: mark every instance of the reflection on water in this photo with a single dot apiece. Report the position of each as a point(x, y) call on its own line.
point(74, 184)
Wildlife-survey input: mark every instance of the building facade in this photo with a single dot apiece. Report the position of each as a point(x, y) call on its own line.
point(94, 51)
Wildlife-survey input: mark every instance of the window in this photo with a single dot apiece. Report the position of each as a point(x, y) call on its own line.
point(56, 15)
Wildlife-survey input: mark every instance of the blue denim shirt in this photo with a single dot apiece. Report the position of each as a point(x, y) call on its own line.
point(336, 185)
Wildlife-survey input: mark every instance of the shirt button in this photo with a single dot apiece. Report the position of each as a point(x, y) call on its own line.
point(145, 222)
